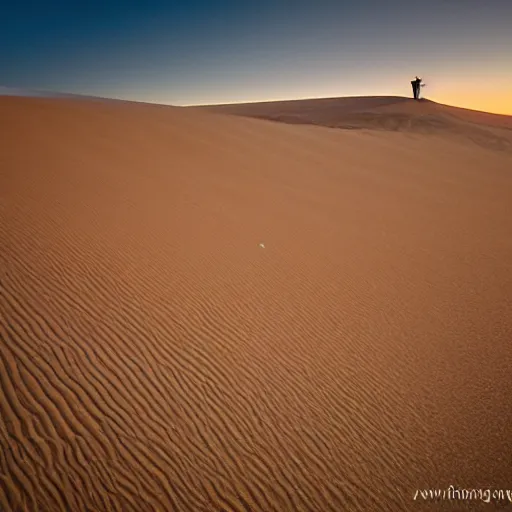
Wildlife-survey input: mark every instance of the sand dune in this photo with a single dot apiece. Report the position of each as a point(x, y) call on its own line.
point(154, 356)
point(385, 113)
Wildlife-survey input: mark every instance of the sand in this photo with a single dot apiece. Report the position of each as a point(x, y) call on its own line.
point(389, 113)
point(208, 312)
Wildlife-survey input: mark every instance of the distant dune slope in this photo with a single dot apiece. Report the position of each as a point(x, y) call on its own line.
point(34, 93)
point(154, 356)
point(384, 113)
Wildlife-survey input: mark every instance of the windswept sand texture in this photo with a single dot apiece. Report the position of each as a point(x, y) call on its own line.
point(154, 356)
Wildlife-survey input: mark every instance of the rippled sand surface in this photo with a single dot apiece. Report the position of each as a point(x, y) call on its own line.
point(208, 312)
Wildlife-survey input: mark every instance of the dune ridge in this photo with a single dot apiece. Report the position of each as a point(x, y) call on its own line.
point(154, 357)
point(387, 113)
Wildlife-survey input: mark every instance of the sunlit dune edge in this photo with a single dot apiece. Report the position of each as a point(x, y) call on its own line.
point(388, 113)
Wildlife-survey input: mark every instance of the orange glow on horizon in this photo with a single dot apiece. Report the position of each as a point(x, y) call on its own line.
point(486, 98)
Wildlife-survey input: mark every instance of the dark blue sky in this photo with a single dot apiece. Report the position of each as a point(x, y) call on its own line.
point(228, 51)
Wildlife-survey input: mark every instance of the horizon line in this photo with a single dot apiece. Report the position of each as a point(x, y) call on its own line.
point(47, 93)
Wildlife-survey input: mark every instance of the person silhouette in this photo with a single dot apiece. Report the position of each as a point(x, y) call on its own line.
point(416, 84)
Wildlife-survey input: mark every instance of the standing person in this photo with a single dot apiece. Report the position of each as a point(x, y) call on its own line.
point(416, 84)
point(418, 88)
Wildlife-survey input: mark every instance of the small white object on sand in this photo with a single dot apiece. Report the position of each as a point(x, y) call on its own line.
point(262, 245)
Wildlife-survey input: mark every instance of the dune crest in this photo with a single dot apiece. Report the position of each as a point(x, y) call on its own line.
point(386, 113)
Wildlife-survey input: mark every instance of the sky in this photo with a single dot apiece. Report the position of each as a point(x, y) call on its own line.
point(225, 51)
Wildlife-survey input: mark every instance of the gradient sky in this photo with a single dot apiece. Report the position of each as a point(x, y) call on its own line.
point(222, 51)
